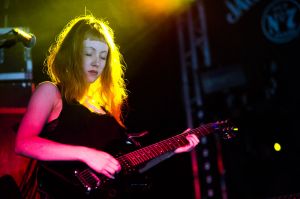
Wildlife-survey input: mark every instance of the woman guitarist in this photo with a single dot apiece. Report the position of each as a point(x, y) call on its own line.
point(77, 115)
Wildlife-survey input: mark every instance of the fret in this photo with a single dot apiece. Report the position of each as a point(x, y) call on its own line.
point(158, 148)
point(138, 156)
point(163, 147)
point(142, 154)
point(169, 145)
point(182, 139)
point(123, 159)
point(154, 150)
point(132, 158)
point(176, 142)
point(151, 153)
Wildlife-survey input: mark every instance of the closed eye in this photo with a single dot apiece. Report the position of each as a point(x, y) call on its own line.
point(103, 55)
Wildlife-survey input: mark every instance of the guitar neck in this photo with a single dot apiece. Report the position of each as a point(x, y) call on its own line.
point(152, 151)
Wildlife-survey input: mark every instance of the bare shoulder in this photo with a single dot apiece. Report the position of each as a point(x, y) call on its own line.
point(47, 88)
point(46, 92)
point(47, 85)
point(42, 107)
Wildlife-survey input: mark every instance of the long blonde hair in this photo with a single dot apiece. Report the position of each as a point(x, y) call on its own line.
point(64, 65)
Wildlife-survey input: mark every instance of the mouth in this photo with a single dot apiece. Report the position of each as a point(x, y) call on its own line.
point(93, 72)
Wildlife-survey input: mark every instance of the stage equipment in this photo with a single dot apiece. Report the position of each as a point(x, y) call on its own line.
point(15, 69)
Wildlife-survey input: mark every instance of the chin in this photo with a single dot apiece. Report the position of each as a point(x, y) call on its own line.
point(91, 81)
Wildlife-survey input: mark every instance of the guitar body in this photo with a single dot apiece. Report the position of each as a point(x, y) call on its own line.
point(73, 179)
point(57, 180)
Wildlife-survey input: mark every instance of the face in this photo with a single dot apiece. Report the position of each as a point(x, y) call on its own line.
point(94, 58)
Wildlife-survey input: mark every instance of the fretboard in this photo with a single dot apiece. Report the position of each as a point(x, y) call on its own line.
point(152, 151)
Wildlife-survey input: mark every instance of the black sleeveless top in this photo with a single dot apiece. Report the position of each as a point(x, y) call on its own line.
point(77, 125)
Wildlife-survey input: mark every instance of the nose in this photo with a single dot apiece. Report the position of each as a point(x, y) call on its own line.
point(96, 62)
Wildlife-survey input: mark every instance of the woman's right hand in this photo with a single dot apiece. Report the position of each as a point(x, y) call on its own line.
point(101, 162)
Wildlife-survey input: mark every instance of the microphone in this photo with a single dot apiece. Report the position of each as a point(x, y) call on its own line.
point(27, 39)
point(17, 35)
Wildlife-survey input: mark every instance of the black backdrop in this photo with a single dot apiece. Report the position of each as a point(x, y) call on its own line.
point(266, 108)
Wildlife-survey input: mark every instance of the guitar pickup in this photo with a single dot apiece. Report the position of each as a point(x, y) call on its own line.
point(88, 179)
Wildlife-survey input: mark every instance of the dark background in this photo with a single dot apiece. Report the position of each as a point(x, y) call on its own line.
point(148, 41)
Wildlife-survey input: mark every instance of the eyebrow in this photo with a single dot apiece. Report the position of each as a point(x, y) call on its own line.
point(95, 49)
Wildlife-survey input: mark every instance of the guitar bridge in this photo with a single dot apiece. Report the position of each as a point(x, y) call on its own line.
point(88, 179)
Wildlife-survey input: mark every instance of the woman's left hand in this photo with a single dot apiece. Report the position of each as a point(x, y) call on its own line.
point(193, 142)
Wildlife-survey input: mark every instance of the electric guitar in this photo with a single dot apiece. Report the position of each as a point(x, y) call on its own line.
point(81, 178)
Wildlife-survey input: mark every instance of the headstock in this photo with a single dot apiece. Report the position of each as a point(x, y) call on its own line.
point(226, 128)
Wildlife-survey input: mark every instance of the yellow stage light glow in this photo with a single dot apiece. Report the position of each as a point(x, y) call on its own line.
point(277, 147)
point(161, 7)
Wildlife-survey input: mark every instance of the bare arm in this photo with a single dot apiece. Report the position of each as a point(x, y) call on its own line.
point(42, 106)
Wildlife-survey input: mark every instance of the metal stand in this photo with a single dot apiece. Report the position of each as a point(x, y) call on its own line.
point(195, 58)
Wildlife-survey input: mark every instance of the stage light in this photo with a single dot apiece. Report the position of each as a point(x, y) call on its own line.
point(161, 7)
point(277, 147)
